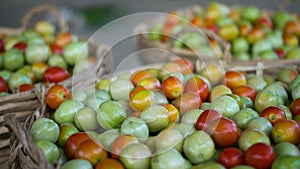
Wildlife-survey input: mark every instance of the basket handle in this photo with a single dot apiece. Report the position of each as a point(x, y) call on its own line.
point(44, 8)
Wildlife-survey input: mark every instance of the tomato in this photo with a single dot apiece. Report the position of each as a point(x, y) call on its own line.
point(206, 118)
point(245, 90)
point(255, 35)
point(172, 87)
point(286, 130)
point(280, 53)
point(13, 59)
point(150, 83)
point(139, 75)
point(56, 95)
point(63, 39)
point(142, 100)
point(260, 155)
point(55, 74)
point(44, 129)
point(109, 163)
point(223, 131)
point(186, 65)
point(3, 85)
point(21, 46)
point(231, 157)
point(295, 107)
point(187, 101)
point(25, 87)
point(197, 85)
point(263, 22)
point(49, 150)
point(229, 32)
point(135, 90)
point(292, 27)
point(77, 164)
point(73, 142)
point(65, 131)
point(56, 49)
point(173, 112)
point(197, 21)
point(91, 151)
point(120, 143)
point(234, 79)
point(39, 69)
point(273, 114)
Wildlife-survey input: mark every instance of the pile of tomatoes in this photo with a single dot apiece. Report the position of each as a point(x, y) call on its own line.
point(174, 117)
point(252, 32)
point(40, 54)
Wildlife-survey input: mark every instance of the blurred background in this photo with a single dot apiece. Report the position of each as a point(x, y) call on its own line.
point(85, 17)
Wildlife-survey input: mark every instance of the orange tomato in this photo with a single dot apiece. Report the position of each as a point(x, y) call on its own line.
point(139, 75)
point(173, 112)
point(56, 95)
point(245, 90)
point(109, 163)
point(120, 143)
point(63, 39)
point(286, 130)
point(197, 85)
point(197, 21)
point(73, 143)
point(150, 83)
point(234, 79)
point(273, 114)
point(186, 66)
point(172, 87)
point(142, 99)
point(91, 151)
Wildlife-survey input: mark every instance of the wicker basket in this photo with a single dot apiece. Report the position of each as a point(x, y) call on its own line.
point(21, 105)
point(143, 41)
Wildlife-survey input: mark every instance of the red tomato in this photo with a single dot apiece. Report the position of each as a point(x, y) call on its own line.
point(55, 74)
point(120, 143)
point(260, 156)
point(206, 118)
point(197, 85)
point(91, 151)
point(187, 101)
point(245, 90)
point(73, 142)
point(263, 22)
point(186, 66)
point(295, 107)
point(280, 53)
point(63, 39)
point(56, 49)
point(273, 114)
point(172, 87)
point(1, 44)
point(109, 163)
point(213, 28)
point(3, 85)
point(25, 87)
point(56, 95)
point(138, 76)
point(21, 46)
point(231, 157)
point(223, 131)
point(234, 79)
point(286, 130)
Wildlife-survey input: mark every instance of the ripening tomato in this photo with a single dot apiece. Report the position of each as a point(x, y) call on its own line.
point(295, 107)
point(56, 95)
point(197, 85)
point(263, 22)
point(142, 99)
point(186, 102)
point(224, 131)
point(120, 143)
point(138, 76)
point(173, 112)
point(3, 85)
point(186, 66)
point(150, 83)
point(245, 90)
point(273, 114)
point(55, 74)
point(110, 163)
point(286, 130)
point(231, 157)
point(260, 155)
point(172, 87)
point(206, 118)
point(56, 49)
point(255, 35)
point(25, 87)
point(292, 27)
point(197, 21)
point(63, 39)
point(73, 143)
point(21, 46)
point(39, 69)
point(135, 91)
point(234, 79)
point(91, 151)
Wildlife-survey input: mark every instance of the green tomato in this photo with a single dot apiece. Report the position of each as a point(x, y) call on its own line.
point(77, 164)
point(286, 149)
point(102, 94)
point(65, 131)
point(79, 95)
point(261, 124)
point(184, 128)
point(107, 138)
point(49, 150)
point(293, 53)
point(287, 111)
point(281, 18)
point(75, 52)
point(250, 136)
point(264, 99)
point(225, 104)
point(191, 116)
point(17, 79)
point(44, 129)
point(62, 156)
point(257, 83)
point(209, 165)
point(136, 127)
point(285, 162)
point(242, 167)
point(37, 53)
point(57, 60)
point(5, 74)
point(223, 21)
point(136, 156)
point(260, 46)
point(268, 55)
point(275, 40)
point(120, 89)
point(94, 102)
point(240, 45)
point(242, 117)
point(198, 147)
point(45, 27)
point(156, 117)
point(169, 138)
point(246, 102)
point(65, 113)
point(10, 41)
point(251, 13)
point(110, 114)
point(155, 32)
point(168, 159)
point(86, 119)
point(13, 59)
point(279, 90)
